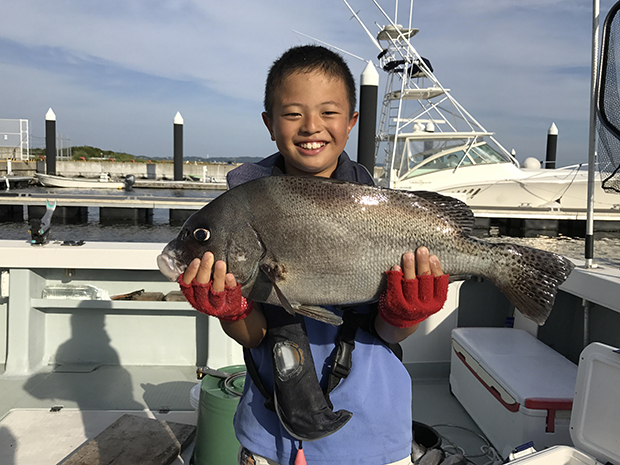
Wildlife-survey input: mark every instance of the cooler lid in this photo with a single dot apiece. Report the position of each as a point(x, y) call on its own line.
point(523, 366)
point(595, 419)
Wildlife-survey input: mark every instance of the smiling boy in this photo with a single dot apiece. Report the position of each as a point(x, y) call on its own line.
point(309, 118)
point(309, 112)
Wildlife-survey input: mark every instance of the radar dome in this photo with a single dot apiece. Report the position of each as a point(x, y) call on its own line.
point(530, 163)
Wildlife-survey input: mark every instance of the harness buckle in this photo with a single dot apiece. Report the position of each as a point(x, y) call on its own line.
point(342, 362)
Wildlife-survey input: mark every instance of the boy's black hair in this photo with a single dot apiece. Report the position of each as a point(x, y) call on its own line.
point(305, 59)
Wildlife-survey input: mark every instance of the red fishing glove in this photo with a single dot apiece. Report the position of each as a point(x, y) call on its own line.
point(227, 305)
point(407, 302)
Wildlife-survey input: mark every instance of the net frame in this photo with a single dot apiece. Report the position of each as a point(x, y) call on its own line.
point(608, 104)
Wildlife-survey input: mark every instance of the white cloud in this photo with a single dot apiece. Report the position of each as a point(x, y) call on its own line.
point(516, 65)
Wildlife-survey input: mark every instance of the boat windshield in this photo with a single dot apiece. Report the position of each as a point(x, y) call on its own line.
point(453, 158)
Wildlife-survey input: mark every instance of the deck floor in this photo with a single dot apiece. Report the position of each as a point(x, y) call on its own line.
point(139, 388)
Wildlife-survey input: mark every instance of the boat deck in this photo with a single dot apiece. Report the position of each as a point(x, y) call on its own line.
point(98, 393)
point(125, 336)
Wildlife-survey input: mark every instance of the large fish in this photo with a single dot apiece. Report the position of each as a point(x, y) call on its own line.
point(307, 242)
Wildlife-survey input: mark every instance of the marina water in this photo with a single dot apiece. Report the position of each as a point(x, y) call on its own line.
point(606, 248)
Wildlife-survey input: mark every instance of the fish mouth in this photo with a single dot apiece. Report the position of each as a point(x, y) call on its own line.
point(169, 266)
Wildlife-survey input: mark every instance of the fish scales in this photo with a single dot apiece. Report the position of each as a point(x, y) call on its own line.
point(327, 242)
point(382, 223)
point(341, 229)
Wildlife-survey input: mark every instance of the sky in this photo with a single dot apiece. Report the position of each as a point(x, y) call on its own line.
point(116, 72)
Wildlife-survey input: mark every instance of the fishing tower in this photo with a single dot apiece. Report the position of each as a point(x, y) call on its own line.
point(419, 117)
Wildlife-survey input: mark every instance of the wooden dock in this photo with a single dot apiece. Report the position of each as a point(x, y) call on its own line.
point(169, 184)
point(16, 206)
point(8, 182)
point(118, 201)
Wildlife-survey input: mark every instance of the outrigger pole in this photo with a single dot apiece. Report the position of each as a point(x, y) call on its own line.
point(589, 250)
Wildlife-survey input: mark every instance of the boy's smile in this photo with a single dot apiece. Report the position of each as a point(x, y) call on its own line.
point(310, 122)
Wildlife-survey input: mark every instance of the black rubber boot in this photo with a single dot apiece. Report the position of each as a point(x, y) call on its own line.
point(299, 400)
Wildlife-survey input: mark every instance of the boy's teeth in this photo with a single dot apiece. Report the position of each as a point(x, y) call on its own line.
point(312, 145)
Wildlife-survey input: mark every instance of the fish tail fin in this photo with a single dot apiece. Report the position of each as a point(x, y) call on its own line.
point(531, 279)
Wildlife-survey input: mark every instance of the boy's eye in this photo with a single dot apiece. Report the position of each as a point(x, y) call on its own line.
point(331, 110)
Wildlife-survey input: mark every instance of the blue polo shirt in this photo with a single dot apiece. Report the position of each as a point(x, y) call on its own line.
point(377, 390)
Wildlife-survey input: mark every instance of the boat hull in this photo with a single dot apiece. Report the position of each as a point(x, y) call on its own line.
point(49, 180)
point(508, 191)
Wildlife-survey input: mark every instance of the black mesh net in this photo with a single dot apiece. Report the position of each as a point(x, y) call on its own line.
point(608, 122)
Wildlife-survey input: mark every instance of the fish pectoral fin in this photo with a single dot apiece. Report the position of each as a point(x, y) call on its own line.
point(311, 311)
point(284, 301)
point(318, 313)
point(269, 272)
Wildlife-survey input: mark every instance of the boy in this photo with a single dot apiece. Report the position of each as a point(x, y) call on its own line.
point(309, 112)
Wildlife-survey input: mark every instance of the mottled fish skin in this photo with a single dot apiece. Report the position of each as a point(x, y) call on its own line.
point(328, 242)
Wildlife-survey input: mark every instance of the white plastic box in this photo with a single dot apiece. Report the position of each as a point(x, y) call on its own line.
point(516, 388)
point(595, 422)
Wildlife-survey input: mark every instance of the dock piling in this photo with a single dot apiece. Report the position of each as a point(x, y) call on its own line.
point(11, 213)
point(50, 142)
point(552, 146)
point(178, 147)
point(125, 216)
point(178, 217)
point(62, 215)
point(369, 88)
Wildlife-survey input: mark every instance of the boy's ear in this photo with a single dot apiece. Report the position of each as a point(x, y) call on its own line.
point(269, 125)
point(353, 120)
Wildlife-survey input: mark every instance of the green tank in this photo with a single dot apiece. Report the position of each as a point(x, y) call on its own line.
point(216, 443)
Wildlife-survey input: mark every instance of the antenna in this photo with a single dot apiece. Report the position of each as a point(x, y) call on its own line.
point(374, 41)
point(330, 45)
point(395, 12)
point(410, 14)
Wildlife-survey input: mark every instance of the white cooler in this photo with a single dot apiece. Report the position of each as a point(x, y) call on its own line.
point(595, 422)
point(516, 388)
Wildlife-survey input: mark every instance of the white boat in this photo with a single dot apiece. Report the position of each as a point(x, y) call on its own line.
point(103, 182)
point(428, 141)
point(496, 187)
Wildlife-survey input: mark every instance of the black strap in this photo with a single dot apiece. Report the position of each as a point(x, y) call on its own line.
point(250, 366)
point(341, 367)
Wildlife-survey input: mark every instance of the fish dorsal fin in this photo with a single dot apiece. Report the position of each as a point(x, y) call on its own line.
point(451, 208)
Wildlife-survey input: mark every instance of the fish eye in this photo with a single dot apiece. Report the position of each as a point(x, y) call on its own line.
point(201, 234)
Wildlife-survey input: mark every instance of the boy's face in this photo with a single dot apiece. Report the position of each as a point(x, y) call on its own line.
point(310, 122)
